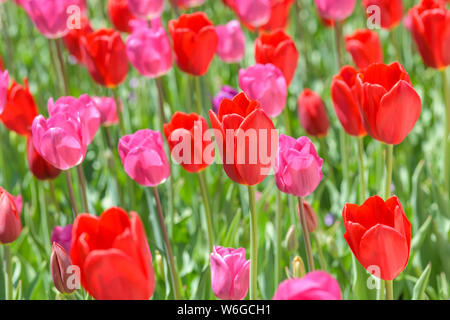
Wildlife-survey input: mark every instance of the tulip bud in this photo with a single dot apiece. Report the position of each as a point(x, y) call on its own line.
point(10, 224)
point(291, 242)
point(298, 267)
point(313, 114)
point(59, 263)
point(311, 216)
point(160, 265)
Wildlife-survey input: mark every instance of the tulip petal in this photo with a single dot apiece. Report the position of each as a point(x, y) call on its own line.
point(220, 277)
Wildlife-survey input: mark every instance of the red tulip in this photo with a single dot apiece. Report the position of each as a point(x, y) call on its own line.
point(73, 38)
point(312, 113)
point(391, 11)
point(379, 235)
point(113, 255)
point(365, 47)
point(430, 27)
point(194, 42)
point(345, 102)
point(120, 15)
point(20, 109)
point(388, 103)
point(279, 15)
point(246, 138)
point(105, 56)
point(40, 168)
point(278, 49)
point(189, 130)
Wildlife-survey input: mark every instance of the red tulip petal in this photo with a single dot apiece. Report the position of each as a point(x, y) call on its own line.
point(354, 233)
point(113, 222)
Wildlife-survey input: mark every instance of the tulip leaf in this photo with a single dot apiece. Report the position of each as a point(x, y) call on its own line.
point(230, 237)
point(420, 235)
point(421, 284)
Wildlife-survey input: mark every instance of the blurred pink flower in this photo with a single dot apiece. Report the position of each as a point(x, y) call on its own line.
point(184, 4)
point(231, 47)
point(10, 209)
point(62, 236)
point(335, 10)
point(4, 84)
point(147, 9)
point(108, 110)
point(256, 13)
point(265, 83)
point(229, 273)
point(317, 285)
point(143, 157)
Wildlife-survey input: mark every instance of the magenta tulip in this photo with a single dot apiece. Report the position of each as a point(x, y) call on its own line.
point(59, 140)
point(298, 168)
point(231, 47)
point(149, 50)
point(317, 285)
point(229, 273)
point(4, 84)
point(256, 13)
point(108, 110)
point(62, 236)
point(335, 10)
point(265, 83)
point(83, 109)
point(10, 224)
point(143, 157)
point(146, 9)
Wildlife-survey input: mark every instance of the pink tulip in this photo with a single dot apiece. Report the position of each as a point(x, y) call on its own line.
point(189, 3)
point(10, 224)
point(54, 17)
point(266, 84)
point(317, 285)
point(108, 110)
point(83, 109)
point(256, 13)
point(4, 84)
point(231, 47)
point(149, 49)
point(229, 273)
point(146, 9)
point(59, 140)
point(62, 236)
point(298, 168)
point(335, 10)
point(143, 157)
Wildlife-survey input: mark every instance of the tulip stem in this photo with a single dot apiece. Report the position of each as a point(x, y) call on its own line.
point(162, 116)
point(389, 289)
point(112, 163)
point(344, 159)
point(71, 193)
point(209, 225)
point(198, 90)
point(278, 217)
point(169, 252)
point(361, 167)
point(338, 40)
point(395, 45)
point(115, 92)
point(8, 272)
point(83, 188)
point(446, 87)
point(388, 181)
point(61, 66)
point(253, 244)
point(309, 254)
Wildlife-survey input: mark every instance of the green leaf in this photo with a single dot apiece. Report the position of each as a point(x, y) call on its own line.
point(421, 284)
point(420, 235)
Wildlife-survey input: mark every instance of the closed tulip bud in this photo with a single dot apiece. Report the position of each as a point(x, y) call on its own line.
point(298, 168)
point(160, 265)
point(4, 84)
point(311, 216)
point(255, 13)
point(365, 47)
point(313, 114)
point(291, 241)
point(10, 224)
point(335, 10)
point(146, 9)
point(143, 157)
point(120, 14)
point(298, 267)
point(149, 50)
point(265, 84)
point(40, 167)
point(59, 266)
point(391, 11)
point(231, 45)
point(229, 273)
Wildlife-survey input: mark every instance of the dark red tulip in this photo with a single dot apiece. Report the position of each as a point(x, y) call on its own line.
point(60, 264)
point(430, 27)
point(113, 255)
point(120, 15)
point(73, 38)
point(379, 235)
point(278, 49)
point(104, 54)
point(388, 103)
point(191, 127)
point(310, 215)
point(365, 47)
point(391, 11)
point(312, 113)
point(194, 42)
point(20, 109)
point(245, 160)
point(10, 209)
point(345, 102)
point(40, 168)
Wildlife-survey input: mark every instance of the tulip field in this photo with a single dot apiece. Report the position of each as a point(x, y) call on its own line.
point(224, 150)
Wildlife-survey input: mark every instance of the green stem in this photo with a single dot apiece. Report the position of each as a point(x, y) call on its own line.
point(446, 88)
point(389, 289)
point(388, 181)
point(209, 225)
point(380, 292)
point(71, 193)
point(162, 116)
point(115, 92)
point(344, 159)
point(362, 174)
point(309, 254)
point(278, 218)
point(395, 45)
point(61, 66)
point(169, 252)
point(253, 244)
point(338, 40)
point(198, 90)
point(112, 163)
point(8, 272)
point(82, 180)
